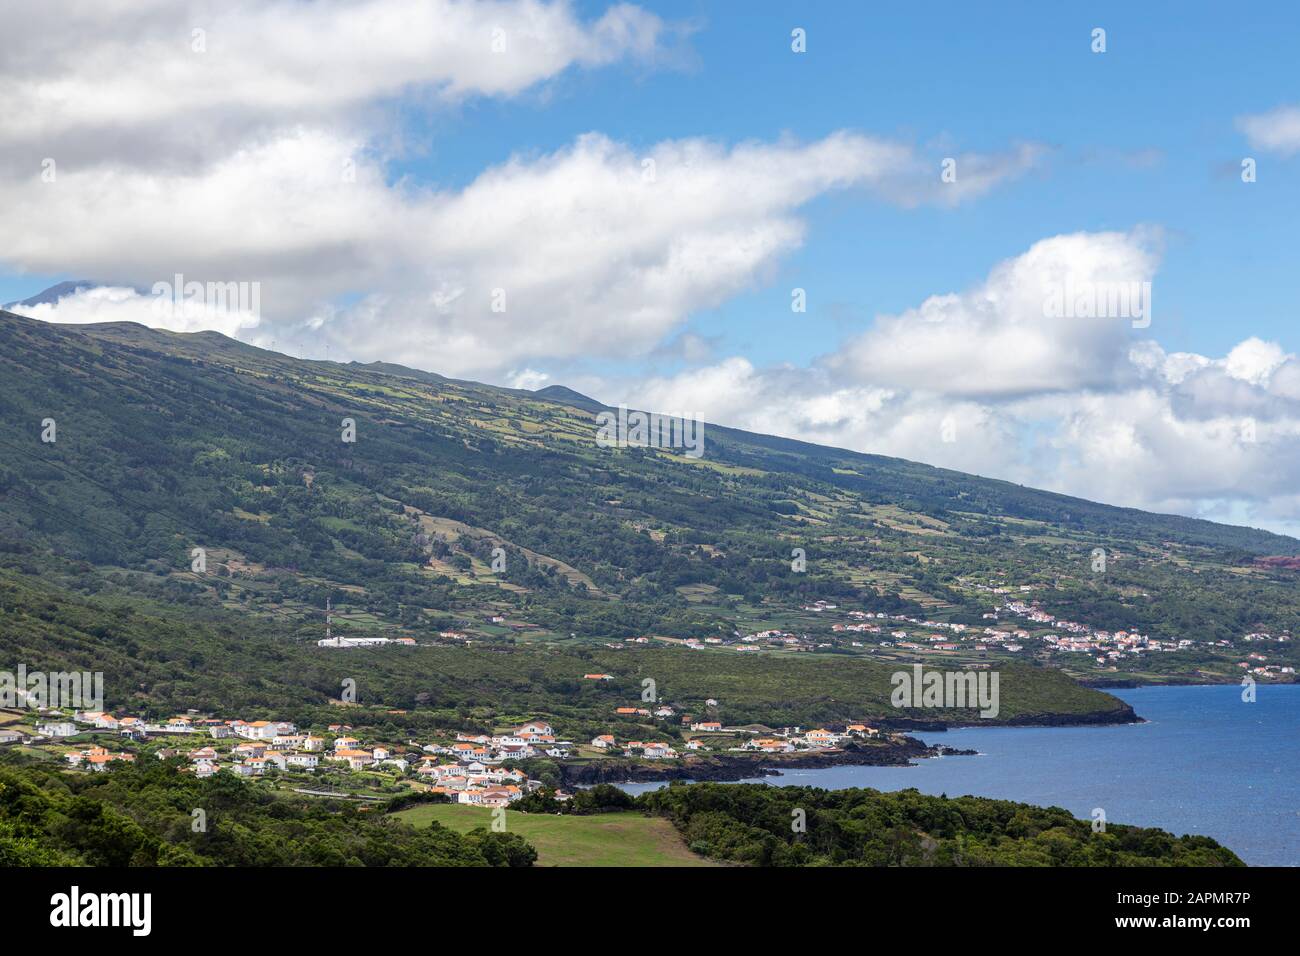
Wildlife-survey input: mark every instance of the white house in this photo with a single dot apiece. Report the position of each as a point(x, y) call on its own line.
point(821, 738)
point(258, 729)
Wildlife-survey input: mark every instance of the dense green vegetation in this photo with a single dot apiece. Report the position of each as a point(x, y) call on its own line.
point(760, 825)
point(169, 442)
point(156, 664)
point(144, 815)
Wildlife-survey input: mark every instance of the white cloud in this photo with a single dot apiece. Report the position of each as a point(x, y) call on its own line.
point(581, 252)
point(1276, 131)
point(1082, 409)
point(1002, 338)
point(528, 378)
point(1254, 361)
point(96, 81)
point(258, 150)
point(116, 304)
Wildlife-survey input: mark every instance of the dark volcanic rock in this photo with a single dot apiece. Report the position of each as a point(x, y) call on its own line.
point(894, 752)
point(1117, 715)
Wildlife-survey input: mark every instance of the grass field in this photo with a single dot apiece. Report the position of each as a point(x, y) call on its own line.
point(606, 839)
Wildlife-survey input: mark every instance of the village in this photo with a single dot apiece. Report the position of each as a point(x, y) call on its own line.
point(471, 769)
point(1045, 632)
point(466, 766)
point(1041, 633)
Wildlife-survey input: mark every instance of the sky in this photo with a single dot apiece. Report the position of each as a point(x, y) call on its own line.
point(631, 199)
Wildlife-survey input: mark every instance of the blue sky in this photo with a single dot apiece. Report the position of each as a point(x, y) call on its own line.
point(1140, 134)
point(478, 171)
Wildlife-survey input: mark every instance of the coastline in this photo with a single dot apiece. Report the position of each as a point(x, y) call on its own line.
point(897, 750)
point(1130, 684)
point(731, 766)
point(1115, 715)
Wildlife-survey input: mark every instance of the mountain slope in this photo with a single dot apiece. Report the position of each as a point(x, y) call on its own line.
point(167, 443)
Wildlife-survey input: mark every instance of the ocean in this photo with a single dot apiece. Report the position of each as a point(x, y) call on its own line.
point(1204, 762)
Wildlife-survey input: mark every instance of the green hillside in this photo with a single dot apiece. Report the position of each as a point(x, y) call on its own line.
point(157, 662)
point(167, 443)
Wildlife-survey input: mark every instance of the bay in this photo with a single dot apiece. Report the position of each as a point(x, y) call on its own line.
point(1204, 761)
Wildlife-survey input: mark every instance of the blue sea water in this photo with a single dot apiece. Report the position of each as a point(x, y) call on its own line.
point(1204, 762)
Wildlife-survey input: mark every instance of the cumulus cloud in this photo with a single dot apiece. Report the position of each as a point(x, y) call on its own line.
point(1039, 322)
point(155, 82)
point(229, 316)
point(1082, 408)
point(594, 249)
point(252, 142)
point(1276, 131)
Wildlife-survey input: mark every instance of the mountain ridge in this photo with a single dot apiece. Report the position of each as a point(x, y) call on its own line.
point(561, 394)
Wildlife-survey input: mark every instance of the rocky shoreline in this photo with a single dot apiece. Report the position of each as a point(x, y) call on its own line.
point(896, 750)
point(722, 767)
point(1117, 715)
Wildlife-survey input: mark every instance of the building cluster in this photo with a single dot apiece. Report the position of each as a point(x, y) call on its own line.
point(533, 739)
point(474, 768)
point(1053, 634)
point(96, 758)
point(366, 641)
point(649, 750)
point(795, 739)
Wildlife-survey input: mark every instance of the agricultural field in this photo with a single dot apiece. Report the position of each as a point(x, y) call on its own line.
point(625, 838)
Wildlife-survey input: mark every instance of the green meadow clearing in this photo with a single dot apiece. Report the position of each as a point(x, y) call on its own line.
point(604, 839)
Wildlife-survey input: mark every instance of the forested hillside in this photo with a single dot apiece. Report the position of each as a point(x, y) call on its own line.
point(166, 443)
